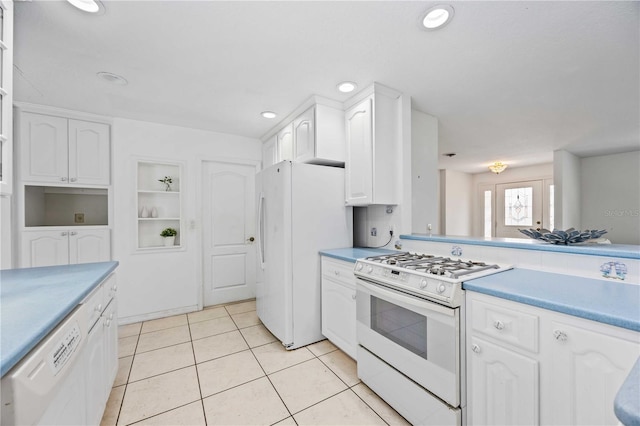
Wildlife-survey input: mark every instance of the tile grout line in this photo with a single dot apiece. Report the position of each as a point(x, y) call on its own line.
point(195, 366)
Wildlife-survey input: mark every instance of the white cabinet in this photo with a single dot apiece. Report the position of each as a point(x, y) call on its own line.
point(270, 152)
point(339, 304)
point(6, 97)
point(64, 246)
point(587, 366)
point(159, 205)
point(502, 384)
point(528, 365)
point(63, 151)
point(313, 133)
point(373, 149)
point(101, 353)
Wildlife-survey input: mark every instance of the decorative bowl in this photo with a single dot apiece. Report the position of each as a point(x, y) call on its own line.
point(570, 236)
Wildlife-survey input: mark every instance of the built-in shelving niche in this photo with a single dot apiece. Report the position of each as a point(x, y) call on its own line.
point(59, 206)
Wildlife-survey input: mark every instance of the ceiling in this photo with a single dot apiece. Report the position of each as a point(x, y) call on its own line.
point(509, 81)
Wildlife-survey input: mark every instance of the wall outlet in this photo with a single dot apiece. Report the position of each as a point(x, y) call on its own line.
point(391, 230)
point(374, 232)
point(78, 218)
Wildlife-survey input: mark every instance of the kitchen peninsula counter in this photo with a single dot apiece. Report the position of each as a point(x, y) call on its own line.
point(33, 301)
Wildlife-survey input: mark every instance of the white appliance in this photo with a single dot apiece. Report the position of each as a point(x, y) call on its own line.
point(47, 386)
point(410, 331)
point(301, 210)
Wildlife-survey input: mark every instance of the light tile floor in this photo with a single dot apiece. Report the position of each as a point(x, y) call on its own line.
point(221, 366)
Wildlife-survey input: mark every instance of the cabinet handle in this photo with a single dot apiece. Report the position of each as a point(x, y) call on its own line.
point(73, 233)
point(63, 234)
point(114, 287)
point(499, 325)
point(63, 179)
point(99, 308)
point(107, 323)
point(73, 179)
point(353, 296)
point(475, 348)
point(560, 335)
point(336, 272)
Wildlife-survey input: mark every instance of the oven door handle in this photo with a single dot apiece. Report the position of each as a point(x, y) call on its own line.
point(421, 304)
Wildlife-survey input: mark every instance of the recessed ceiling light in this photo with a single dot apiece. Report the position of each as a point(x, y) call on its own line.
point(90, 6)
point(268, 114)
point(436, 17)
point(347, 86)
point(113, 78)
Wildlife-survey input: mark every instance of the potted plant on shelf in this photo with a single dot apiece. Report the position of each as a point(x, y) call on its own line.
point(168, 180)
point(169, 236)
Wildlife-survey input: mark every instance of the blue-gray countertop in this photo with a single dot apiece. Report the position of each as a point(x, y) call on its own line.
point(626, 251)
point(351, 254)
point(33, 301)
point(607, 301)
point(627, 402)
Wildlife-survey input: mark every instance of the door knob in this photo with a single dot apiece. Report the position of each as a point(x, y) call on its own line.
point(251, 239)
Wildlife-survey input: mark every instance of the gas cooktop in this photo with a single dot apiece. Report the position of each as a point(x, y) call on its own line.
point(429, 276)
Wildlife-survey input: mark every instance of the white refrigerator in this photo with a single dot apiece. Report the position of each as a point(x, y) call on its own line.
point(301, 210)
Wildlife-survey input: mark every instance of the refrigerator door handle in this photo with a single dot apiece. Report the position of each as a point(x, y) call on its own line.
point(260, 230)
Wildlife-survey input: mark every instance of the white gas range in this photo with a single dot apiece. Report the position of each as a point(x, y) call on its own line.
point(410, 319)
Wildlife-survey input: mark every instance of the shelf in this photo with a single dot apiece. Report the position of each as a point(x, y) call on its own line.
point(167, 205)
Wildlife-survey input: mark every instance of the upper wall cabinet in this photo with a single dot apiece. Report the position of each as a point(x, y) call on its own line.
point(63, 151)
point(313, 133)
point(373, 148)
point(6, 92)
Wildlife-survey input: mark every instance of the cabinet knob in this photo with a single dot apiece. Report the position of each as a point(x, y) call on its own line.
point(499, 325)
point(73, 233)
point(63, 179)
point(336, 272)
point(99, 308)
point(114, 287)
point(475, 348)
point(251, 239)
point(560, 335)
point(73, 179)
point(353, 296)
point(107, 323)
point(63, 234)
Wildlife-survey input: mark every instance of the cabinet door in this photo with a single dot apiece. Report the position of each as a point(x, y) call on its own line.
point(95, 374)
point(339, 315)
point(502, 386)
point(304, 138)
point(359, 161)
point(270, 152)
point(87, 246)
point(110, 343)
point(44, 248)
point(285, 143)
point(43, 148)
point(587, 369)
point(89, 158)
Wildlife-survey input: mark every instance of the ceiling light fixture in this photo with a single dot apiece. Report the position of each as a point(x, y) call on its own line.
point(268, 114)
point(436, 17)
point(498, 167)
point(347, 86)
point(90, 6)
point(113, 78)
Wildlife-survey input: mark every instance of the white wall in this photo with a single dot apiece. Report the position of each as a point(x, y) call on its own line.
point(566, 180)
point(424, 172)
point(161, 283)
point(456, 196)
point(610, 187)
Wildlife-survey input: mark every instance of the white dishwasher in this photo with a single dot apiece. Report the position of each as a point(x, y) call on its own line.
point(42, 386)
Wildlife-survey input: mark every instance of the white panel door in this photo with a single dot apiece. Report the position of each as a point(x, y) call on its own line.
point(228, 232)
point(44, 248)
point(43, 148)
point(88, 153)
point(87, 246)
point(518, 206)
point(359, 164)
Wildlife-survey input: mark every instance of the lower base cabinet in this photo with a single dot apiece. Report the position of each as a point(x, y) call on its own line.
point(528, 365)
point(64, 246)
point(339, 304)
